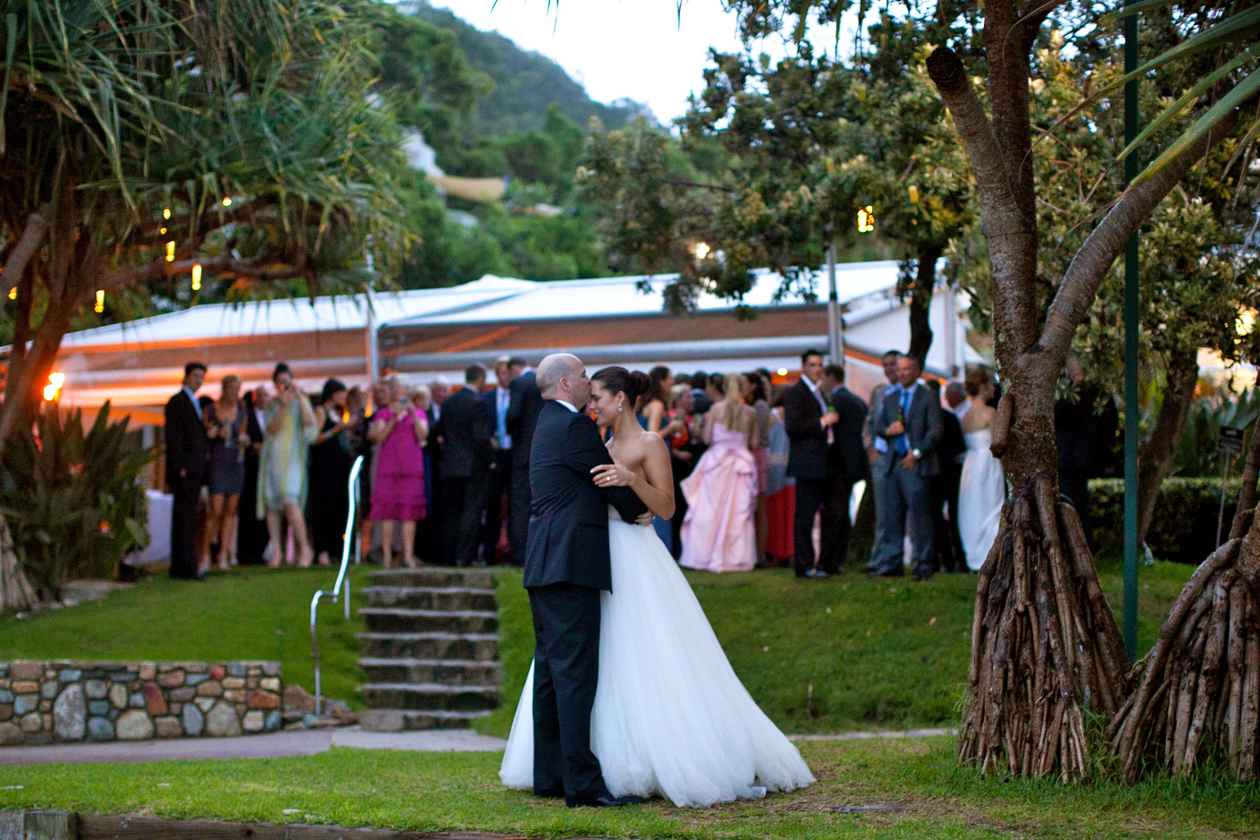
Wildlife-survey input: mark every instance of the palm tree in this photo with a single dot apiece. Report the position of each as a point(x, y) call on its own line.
point(145, 140)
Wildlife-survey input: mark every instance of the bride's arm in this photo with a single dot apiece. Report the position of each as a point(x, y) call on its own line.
point(656, 490)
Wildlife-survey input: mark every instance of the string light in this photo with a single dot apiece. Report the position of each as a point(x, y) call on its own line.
point(166, 212)
point(914, 194)
point(866, 219)
point(53, 389)
point(100, 302)
point(162, 230)
point(701, 250)
point(13, 293)
point(170, 251)
point(196, 277)
point(227, 202)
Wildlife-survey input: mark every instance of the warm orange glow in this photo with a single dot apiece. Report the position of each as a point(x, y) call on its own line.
point(166, 212)
point(227, 202)
point(196, 278)
point(53, 389)
point(99, 306)
point(866, 219)
point(13, 293)
point(170, 251)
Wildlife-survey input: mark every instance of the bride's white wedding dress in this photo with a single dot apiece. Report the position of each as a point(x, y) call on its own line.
point(981, 493)
point(670, 717)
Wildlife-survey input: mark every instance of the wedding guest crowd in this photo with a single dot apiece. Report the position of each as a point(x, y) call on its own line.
point(765, 474)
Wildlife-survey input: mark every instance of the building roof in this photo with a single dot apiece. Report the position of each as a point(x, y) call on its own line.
point(296, 315)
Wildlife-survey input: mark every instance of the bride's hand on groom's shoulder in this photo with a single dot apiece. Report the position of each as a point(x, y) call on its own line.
point(612, 475)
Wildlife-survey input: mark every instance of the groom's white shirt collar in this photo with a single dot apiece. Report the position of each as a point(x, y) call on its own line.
point(568, 405)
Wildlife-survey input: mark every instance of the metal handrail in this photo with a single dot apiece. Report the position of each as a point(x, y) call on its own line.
point(350, 536)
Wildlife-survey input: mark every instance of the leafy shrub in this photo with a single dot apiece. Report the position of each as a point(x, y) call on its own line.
point(1184, 526)
point(72, 497)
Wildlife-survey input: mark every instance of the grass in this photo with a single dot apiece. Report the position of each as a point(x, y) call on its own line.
point(847, 653)
point(930, 796)
point(248, 613)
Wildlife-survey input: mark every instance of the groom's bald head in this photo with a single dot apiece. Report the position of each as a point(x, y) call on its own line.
point(562, 376)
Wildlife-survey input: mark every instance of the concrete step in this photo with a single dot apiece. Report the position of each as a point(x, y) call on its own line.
point(400, 620)
point(424, 697)
point(429, 576)
point(453, 598)
point(478, 646)
point(405, 720)
point(450, 672)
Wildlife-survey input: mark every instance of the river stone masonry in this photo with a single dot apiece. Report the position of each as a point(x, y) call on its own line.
point(49, 702)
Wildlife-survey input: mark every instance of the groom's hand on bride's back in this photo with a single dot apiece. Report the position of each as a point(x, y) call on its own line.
point(645, 518)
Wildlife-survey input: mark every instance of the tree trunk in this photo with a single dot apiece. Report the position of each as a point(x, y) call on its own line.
point(921, 301)
point(1199, 693)
point(16, 593)
point(1155, 458)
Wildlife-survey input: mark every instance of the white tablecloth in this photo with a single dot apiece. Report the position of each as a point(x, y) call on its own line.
point(159, 521)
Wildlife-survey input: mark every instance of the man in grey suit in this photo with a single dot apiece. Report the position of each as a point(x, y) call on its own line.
point(909, 421)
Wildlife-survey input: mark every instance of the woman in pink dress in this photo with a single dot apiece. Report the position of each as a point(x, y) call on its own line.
point(399, 430)
point(718, 534)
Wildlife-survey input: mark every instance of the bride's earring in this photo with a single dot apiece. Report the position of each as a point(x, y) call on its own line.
point(620, 407)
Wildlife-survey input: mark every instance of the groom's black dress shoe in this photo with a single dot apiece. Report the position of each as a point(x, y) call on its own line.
point(605, 802)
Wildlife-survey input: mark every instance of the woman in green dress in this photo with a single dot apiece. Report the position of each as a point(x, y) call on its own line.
point(282, 475)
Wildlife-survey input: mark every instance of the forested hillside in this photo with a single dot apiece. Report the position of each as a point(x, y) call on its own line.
point(526, 83)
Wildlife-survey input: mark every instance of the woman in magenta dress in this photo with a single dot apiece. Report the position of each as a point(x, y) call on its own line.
point(718, 533)
point(400, 431)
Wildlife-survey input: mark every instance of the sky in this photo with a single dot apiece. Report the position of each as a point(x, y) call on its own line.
point(640, 49)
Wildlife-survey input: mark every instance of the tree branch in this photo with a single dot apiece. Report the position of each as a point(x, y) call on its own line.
point(13, 268)
point(262, 269)
point(1010, 231)
point(1090, 264)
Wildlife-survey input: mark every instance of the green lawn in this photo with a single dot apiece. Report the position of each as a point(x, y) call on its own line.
point(929, 796)
point(847, 653)
point(248, 613)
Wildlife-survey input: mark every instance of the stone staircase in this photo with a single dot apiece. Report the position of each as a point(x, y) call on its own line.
point(431, 649)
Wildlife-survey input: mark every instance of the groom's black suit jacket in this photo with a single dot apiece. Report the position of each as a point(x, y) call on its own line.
point(568, 526)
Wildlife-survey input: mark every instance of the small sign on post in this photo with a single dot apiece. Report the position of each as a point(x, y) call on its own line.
point(1229, 446)
point(1231, 441)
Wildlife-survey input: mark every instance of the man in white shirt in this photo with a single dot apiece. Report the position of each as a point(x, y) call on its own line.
point(498, 402)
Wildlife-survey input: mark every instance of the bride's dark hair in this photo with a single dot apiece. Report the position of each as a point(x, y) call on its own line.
point(633, 383)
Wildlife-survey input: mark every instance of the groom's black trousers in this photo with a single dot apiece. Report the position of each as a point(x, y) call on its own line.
point(566, 671)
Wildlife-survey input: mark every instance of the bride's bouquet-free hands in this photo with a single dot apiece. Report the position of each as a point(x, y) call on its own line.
point(615, 475)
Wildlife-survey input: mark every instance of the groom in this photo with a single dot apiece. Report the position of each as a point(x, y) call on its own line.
point(566, 566)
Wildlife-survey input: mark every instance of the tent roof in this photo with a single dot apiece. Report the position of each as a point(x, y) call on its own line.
point(644, 295)
point(296, 315)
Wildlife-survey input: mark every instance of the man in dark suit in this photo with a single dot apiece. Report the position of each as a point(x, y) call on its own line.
point(465, 430)
point(909, 421)
point(945, 486)
point(1086, 424)
point(186, 447)
point(848, 464)
point(499, 479)
point(567, 565)
point(523, 408)
point(252, 531)
point(700, 393)
point(809, 422)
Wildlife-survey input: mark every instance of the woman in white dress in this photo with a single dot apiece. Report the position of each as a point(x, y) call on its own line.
point(982, 490)
point(671, 718)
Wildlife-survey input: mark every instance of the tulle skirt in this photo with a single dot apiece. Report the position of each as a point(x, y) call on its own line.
point(671, 718)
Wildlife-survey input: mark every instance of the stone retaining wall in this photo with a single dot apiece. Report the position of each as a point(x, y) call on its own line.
point(67, 700)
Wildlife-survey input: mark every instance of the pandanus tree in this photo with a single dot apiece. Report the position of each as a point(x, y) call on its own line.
point(147, 141)
point(1046, 650)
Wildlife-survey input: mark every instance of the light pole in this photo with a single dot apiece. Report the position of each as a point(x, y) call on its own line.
point(1130, 352)
point(835, 326)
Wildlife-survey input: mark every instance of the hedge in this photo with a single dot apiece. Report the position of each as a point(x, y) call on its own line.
point(1184, 527)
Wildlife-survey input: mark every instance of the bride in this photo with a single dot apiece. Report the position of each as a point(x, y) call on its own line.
point(671, 718)
point(982, 489)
